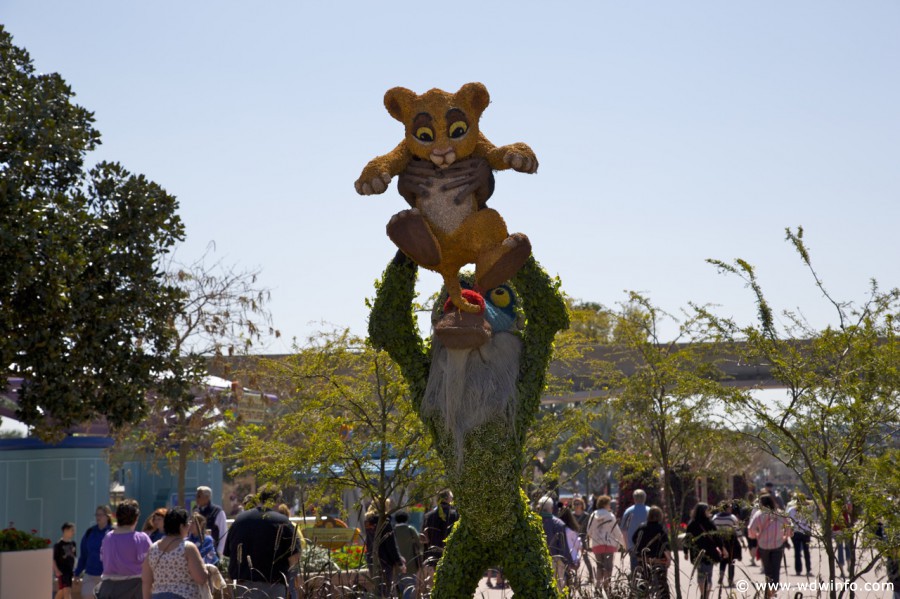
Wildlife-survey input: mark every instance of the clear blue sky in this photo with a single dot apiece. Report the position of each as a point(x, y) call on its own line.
point(667, 132)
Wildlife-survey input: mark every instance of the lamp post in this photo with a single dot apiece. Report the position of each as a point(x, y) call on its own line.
point(587, 449)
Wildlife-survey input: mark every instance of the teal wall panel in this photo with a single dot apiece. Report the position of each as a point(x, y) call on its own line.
point(154, 489)
point(44, 486)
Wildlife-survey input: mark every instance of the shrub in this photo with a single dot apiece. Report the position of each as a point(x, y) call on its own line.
point(12, 539)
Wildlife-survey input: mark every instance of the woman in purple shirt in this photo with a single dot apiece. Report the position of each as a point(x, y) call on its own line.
point(123, 553)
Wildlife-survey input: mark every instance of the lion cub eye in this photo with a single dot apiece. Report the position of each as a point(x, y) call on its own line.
point(424, 134)
point(458, 129)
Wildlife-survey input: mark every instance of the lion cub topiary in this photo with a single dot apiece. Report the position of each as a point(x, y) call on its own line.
point(447, 229)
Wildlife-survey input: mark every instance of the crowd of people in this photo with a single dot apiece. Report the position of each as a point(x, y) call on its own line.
point(712, 539)
point(176, 553)
point(116, 561)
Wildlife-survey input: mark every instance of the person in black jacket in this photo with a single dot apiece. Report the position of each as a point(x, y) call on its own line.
point(436, 526)
point(262, 545)
point(705, 546)
point(380, 540)
point(650, 543)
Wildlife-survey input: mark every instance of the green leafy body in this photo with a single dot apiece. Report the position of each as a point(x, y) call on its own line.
point(494, 513)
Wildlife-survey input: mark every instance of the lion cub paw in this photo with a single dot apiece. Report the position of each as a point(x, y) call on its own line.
point(368, 185)
point(522, 162)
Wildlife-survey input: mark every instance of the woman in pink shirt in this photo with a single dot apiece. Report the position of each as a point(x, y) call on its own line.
point(123, 553)
point(771, 529)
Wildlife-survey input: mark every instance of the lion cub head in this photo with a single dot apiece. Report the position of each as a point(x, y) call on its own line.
point(440, 126)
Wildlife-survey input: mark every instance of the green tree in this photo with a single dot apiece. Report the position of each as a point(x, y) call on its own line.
point(343, 422)
point(85, 310)
point(574, 424)
point(590, 323)
point(665, 394)
point(224, 312)
point(841, 410)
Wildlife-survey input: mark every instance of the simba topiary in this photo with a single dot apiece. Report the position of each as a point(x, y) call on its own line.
point(448, 225)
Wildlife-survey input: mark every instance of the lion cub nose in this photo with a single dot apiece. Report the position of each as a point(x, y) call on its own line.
point(443, 157)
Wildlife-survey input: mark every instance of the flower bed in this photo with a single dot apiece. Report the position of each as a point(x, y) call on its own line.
point(26, 564)
point(13, 539)
point(350, 557)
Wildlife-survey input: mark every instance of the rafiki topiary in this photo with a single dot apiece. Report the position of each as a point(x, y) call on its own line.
point(477, 387)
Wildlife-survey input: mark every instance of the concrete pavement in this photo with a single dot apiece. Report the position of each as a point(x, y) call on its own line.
point(747, 578)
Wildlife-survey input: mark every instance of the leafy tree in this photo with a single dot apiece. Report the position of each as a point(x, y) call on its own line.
point(590, 323)
point(841, 410)
point(567, 442)
point(344, 421)
point(568, 438)
point(665, 393)
point(224, 312)
point(85, 311)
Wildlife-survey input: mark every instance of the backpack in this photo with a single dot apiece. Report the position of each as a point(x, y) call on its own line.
point(599, 533)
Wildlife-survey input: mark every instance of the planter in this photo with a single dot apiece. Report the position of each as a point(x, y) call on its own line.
point(27, 574)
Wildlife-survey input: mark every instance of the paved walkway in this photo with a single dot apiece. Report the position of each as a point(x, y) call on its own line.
point(747, 576)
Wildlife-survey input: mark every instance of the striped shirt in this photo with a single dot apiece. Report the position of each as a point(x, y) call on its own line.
point(727, 525)
point(770, 529)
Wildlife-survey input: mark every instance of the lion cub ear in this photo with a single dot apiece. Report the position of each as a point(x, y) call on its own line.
point(475, 95)
point(397, 100)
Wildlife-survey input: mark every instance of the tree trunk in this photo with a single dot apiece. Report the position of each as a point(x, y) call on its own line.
point(674, 527)
point(828, 542)
point(182, 469)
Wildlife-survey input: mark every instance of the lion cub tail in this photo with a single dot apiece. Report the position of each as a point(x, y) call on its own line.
point(454, 290)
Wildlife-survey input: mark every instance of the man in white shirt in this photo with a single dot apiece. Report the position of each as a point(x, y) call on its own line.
point(798, 512)
point(215, 518)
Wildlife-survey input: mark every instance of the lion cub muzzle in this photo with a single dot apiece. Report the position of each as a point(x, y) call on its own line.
point(443, 157)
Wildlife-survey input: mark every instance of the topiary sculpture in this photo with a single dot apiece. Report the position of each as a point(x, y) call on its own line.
point(477, 387)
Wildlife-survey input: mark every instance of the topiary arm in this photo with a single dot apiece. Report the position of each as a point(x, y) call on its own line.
point(545, 314)
point(517, 156)
point(377, 175)
point(392, 324)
